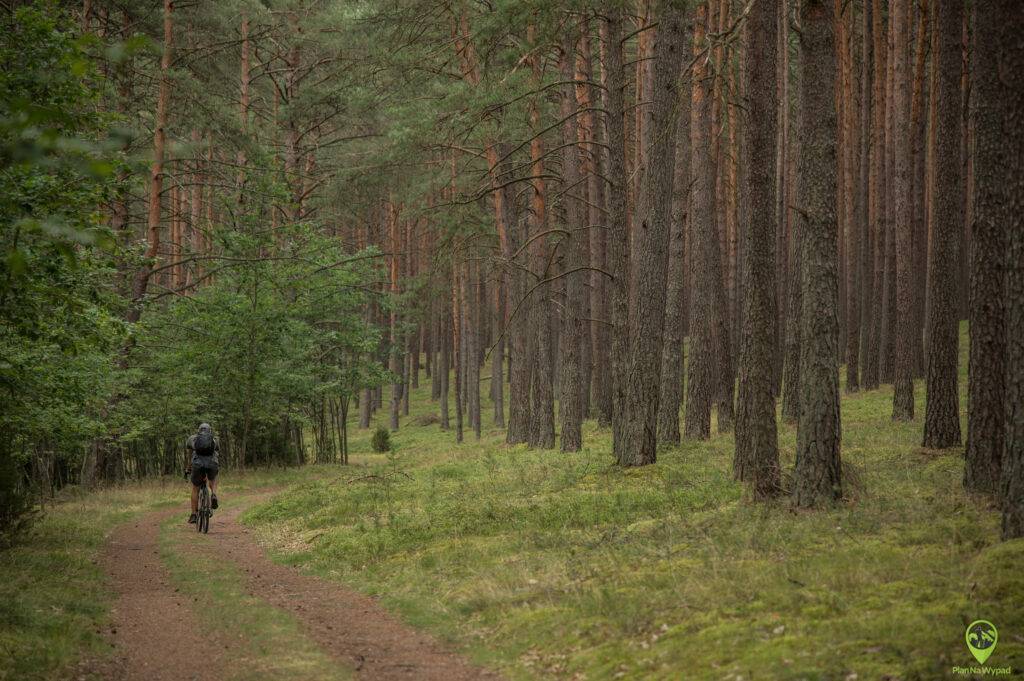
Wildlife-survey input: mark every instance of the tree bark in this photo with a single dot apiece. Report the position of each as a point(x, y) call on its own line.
point(542, 426)
point(864, 213)
point(701, 365)
point(919, 134)
point(672, 377)
point(573, 381)
point(757, 450)
point(617, 232)
point(458, 351)
point(600, 309)
point(872, 367)
point(903, 230)
point(817, 477)
point(1010, 72)
point(395, 341)
point(156, 171)
point(942, 406)
point(986, 371)
point(851, 200)
point(650, 238)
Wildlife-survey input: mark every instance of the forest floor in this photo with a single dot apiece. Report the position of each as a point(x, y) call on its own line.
point(173, 604)
point(534, 564)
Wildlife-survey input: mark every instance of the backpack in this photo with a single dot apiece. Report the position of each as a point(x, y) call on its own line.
point(203, 444)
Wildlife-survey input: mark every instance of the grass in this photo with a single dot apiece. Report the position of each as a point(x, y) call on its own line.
point(548, 565)
point(551, 565)
point(54, 599)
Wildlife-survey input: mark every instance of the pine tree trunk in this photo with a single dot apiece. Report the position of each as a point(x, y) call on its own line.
point(600, 311)
point(701, 365)
point(672, 377)
point(942, 407)
point(902, 227)
point(472, 341)
point(864, 215)
point(919, 134)
point(650, 240)
point(872, 367)
point(618, 252)
point(542, 425)
point(458, 351)
point(782, 207)
point(817, 478)
point(498, 355)
point(1010, 70)
point(573, 380)
point(791, 359)
point(987, 367)
point(757, 451)
point(443, 368)
point(156, 171)
point(851, 202)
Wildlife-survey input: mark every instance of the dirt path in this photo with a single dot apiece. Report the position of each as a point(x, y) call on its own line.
point(155, 631)
point(155, 627)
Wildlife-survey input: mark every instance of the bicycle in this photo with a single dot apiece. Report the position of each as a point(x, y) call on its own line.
point(205, 508)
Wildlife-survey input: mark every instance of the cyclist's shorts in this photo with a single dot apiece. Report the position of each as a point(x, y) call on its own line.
point(200, 472)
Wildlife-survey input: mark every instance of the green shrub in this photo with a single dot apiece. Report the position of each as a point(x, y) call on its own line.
point(381, 441)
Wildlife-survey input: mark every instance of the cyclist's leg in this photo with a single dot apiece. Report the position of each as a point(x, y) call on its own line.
point(211, 477)
point(197, 482)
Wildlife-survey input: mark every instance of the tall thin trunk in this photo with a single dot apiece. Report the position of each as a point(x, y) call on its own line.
point(542, 426)
point(600, 311)
point(650, 236)
point(156, 171)
point(700, 384)
point(903, 229)
point(850, 207)
point(443, 368)
point(672, 376)
point(1010, 72)
point(919, 133)
point(866, 245)
point(573, 381)
point(817, 478)
point(395, 342)
point(757, 450)
point(986, 371)
point(245, 79)
point(876, 209)
point(725, 371)
point(457, 350)
point(942, 408)
point(618, 251)
point(782, 208)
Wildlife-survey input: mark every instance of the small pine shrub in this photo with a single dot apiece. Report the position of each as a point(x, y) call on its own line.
point(381, 441)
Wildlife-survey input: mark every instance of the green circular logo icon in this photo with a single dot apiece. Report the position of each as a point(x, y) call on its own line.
point(981, 639)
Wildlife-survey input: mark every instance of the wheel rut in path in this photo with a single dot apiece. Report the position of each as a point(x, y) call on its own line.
point(155, 629)
point(347, 625)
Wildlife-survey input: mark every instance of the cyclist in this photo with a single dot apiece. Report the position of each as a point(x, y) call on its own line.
point(201, 462)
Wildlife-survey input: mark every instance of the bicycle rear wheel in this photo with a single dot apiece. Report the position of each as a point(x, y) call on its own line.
point(203, 521)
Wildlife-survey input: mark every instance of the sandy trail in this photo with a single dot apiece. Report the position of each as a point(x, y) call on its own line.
point(155, 628)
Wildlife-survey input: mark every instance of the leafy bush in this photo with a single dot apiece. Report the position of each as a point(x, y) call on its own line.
point(381, 441)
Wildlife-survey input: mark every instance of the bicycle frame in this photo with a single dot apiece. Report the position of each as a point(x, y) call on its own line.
point(205, 511)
